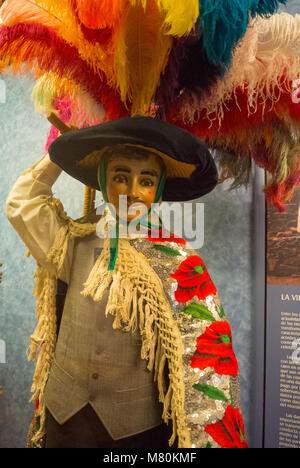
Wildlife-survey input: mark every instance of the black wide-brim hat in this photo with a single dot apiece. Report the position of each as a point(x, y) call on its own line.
point(191, 170)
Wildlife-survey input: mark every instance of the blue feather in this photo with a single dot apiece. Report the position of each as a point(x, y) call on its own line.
point(224, 22)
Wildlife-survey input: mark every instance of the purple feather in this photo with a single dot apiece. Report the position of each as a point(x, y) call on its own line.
point(188, 71)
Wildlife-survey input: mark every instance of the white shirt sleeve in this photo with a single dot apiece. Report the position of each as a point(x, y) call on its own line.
point(34, 219)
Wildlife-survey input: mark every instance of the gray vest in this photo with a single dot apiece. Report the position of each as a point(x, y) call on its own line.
point(98, 365)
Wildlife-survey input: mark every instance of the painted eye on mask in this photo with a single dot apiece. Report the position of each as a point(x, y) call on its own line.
point(147, 183)
point(120, 179)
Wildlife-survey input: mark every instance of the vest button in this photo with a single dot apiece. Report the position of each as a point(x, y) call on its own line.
point(95, 376)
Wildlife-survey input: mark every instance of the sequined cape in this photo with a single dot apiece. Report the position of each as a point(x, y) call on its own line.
point(212, 390)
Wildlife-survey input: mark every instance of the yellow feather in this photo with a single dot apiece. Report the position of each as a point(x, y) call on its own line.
point(142, 52)
point(138, 2)
point(180, 15)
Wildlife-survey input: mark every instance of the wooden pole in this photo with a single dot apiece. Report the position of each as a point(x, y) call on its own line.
point(58, 123)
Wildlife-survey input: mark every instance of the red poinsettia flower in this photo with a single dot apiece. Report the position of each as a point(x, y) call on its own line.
point(214, 349)
point(164, 236)
point(230, 432)
point(193, 280)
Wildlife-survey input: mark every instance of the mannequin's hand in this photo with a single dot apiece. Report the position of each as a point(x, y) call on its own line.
point(46, 171)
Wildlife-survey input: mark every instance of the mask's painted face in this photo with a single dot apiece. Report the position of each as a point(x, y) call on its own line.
point(138, 179)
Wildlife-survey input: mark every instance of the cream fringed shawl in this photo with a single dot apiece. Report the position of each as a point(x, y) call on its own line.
point(136, 298)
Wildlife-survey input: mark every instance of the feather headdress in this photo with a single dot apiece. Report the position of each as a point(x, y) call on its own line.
point(226, 71)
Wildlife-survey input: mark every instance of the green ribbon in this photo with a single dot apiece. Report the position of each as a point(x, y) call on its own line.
point(114, 239)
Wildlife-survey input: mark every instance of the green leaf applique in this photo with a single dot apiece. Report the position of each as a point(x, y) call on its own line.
point(225, 339)
point(211, 392)
point(199, 269)
point(220, 311)
point(166, 250)
point(199, 311)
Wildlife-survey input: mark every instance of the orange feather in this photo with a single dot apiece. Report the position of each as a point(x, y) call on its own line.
point(26, 11)
point(99, 14)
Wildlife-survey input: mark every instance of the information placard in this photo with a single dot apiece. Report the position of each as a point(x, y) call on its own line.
point(282, 357)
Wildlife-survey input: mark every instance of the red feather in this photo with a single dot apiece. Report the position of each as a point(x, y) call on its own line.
point(255, 135)
point(42, 50)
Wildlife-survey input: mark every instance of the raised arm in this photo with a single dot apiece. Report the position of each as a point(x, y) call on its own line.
point(30, 213)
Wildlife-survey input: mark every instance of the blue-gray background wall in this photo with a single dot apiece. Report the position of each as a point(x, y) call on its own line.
point(228, 252)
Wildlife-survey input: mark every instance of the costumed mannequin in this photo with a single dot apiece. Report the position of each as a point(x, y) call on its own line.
point(148, 287)
point(225, 72)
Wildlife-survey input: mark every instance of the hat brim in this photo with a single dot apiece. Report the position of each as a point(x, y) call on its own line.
point(191, 170)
